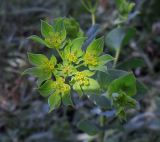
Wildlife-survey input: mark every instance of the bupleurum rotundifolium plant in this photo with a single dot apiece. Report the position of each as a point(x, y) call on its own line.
point(77, 68)
point(74, 71)
point(78, 63)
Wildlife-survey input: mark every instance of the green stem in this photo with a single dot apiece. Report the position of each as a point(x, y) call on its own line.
point(93, 18)
point(102, 134)
point(79, 65)
point(116, 57)
point(59, 53)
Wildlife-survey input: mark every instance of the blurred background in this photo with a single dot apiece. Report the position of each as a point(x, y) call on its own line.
point(24, 113)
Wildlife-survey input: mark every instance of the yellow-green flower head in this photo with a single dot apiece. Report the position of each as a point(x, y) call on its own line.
point(65, 69)
point(73, 52)
point(54, 40)
point(48, 66)
point(71, 57)
point(61, 86)
point(68, 69)
point(90, 59)
point(81, 78)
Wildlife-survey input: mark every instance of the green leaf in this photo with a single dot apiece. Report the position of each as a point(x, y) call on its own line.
point(124, 7)
point(131, 63)
point(96, 47)
point(119, 37)
point(47, 88)
point(72, 27)
point(37, 59)
point(54, 101)
point(88, 127)
point(53, 60)
point(100, 100)
point(77, 45)
point(59, 27)
point(39, 40)
point(39, 82)
point(141, 90)
point(105, 59)
point(38, 72)
point(67, 49)
point(67, 100)
point(126, 83)
point(101, 68)
point(88, 73)
point(45, 28)
point(105, 78)
point(92, 87)
point(77, 88)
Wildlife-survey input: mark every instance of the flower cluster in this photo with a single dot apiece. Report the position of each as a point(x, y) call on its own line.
point(76, 68)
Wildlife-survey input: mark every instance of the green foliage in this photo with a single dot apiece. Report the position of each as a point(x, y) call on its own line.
point(90, 5)
point(57, 79)
point(82, 71)
point(131, 63)
point(120, 91)
point(88, 127)
point(72, 28)
point(119, 37)
point(125, 84)
point(93, 58)
point(124, 8)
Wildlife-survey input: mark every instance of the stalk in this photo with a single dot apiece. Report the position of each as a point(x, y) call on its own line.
point(102, 134)
point(116, 57)
point(59, 53)
point(93, 18)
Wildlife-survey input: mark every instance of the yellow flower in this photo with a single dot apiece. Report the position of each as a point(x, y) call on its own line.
point(54, 40)
point(90, 59)
point(61, 86)
point(81, 77)
point(71, 57)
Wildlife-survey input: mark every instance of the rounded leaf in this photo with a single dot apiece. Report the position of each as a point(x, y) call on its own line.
point(96, 47)
point(45, 28)
point(47, 88)
point(37, 59)
point(119, 37)
point(54, 101)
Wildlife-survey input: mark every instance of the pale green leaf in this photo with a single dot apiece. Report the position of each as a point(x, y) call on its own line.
point(38, 72)
point(88, 73)
point(101, 68)
point(59, 27)
point(77, 88)
point(37, 59)
point(67, 100)
point(53, 60)
point(105, 59)
point(92, 87)
point(77, 45)
point(39, 40)
point(45, 28)
point(46, 88)
point(54, 101)
point(96, 47)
